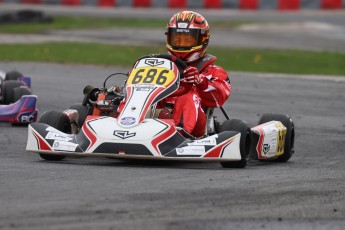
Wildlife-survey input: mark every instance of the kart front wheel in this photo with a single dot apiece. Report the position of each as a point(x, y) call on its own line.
point(13, 75)
point(59, 121)
point(290, 133)
point(243, 128)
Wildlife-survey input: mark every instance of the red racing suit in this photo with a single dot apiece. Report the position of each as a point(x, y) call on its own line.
point(189, 108)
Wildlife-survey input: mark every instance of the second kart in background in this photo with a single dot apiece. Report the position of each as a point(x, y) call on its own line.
point(17, 104)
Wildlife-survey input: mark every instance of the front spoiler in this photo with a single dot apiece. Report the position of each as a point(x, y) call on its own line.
point(133, 157)
point(162, 142)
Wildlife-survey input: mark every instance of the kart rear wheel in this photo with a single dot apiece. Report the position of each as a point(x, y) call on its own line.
point(83, 112)
point(13, 75)
point(59, 121)
point(290, 133)
point(19, 92)
point(8, 90)
point(243, 128)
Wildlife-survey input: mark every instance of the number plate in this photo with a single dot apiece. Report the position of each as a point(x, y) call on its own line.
point(151, 75)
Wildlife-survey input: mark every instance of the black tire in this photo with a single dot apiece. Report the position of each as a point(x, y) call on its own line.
point(59, 121)
point(19, 92)
point(290, 133)
point(82, 111)
point(13, 75)
point(8, 90)
point(243, 128)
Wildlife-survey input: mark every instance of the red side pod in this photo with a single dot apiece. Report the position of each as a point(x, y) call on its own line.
point(331, 4)
point(106, 3)
point(141, 3)
point(289, 5)
point(164, 136)
point(213, 4)
point(42, 144)
point(89, 133)
point(70, 2)
point(177, 3)
point(249, 4)
point(218, 150)
point(260, 142)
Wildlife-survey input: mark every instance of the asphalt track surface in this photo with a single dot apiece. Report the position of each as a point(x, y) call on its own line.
point(308, 192)
point(305, 193)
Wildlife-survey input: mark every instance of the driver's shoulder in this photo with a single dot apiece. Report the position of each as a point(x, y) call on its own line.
point(204, 62)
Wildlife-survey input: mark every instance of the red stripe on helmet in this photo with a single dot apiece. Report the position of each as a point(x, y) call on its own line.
point(177, 4)
point(331, 4)
point(289, 4)
point(213, 4)
point(106, 2)
point(249, 4)
point(142, 3)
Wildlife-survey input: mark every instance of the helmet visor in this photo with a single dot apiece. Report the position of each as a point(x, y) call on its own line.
point(183, 39)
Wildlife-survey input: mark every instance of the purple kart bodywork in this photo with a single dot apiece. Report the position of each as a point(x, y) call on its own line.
point(21, 112)
point(26, 80)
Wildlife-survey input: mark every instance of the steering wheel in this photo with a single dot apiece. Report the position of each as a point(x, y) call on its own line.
point(181, 65)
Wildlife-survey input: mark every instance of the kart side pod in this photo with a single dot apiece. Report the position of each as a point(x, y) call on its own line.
point(268, 140)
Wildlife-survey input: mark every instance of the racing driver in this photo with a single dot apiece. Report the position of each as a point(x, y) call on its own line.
point(187, 37)
point(203, 84)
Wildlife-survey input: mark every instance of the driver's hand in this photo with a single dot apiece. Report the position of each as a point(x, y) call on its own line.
point(191, 75)
point(114, 89)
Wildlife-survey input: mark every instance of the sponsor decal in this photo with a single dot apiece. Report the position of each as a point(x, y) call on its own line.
point(182, 25)
point(64, 146)
point(26, 119)
point(153, 62)
point(123, 134)
point(196, 100)
point(179, 150)
point(51, 129)
point(196, 150)
point(127, 121)
point(182, 30)
point(281, 138)
point(207, 141)
point(57, 136)
point(143, 88)
point(266, 148)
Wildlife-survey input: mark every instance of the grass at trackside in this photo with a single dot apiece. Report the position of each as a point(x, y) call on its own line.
point(281, 61)
point(66, 23)
point(252, 60)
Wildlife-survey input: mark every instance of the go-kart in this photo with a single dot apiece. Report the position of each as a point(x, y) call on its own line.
point(17, 105)
point(140, 131)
